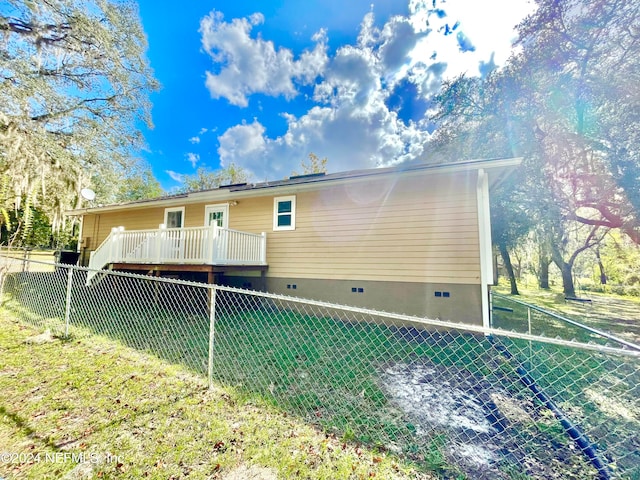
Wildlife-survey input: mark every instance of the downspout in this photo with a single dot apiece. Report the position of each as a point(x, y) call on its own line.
point(484, 240)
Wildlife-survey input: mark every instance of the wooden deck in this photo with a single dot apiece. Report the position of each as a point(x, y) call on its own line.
point(200, 249)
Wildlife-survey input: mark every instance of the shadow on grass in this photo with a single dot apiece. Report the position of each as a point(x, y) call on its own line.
point(22, 425)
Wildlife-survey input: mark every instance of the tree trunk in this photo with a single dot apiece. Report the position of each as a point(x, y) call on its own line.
point(566, 269)
point(543, 273)
point(504, 253)
point(603, 274)
point(567, 279)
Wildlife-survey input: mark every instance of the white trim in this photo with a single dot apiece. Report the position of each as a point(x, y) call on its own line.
point(276, 201)
point(221, 206)
point(484, 239)
point(173, 209)
point(279, 188)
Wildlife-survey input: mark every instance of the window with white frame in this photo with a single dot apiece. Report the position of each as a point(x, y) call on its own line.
point(284, 213)
point(174, 217)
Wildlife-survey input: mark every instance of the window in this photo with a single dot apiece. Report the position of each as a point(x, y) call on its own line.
point(174, 217)
point(284, 213)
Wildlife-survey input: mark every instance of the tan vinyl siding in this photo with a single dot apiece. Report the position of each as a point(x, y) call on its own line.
point(410, 230)
point(98, 226)
point(422, 228)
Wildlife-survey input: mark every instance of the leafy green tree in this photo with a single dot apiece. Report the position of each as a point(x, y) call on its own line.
point(510, 223)
point(139, 184)
point(556, 105)
point(584, 58)
point(314, 165)
point(620, 260)
point(205, 179)
point(74, 87)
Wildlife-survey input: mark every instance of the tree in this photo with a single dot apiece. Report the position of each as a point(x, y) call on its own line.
point(74, 86)
point(510, 222)
point(139, 184)
point(314, 165)
point(580, 56)
point(205, 179)
point(556, 104)
point(586, 55)
point(471, 117)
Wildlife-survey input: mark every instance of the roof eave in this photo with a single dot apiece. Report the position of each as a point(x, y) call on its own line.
point(497, 169)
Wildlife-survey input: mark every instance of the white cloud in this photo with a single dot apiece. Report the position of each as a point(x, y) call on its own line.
point(351, 123)
point(194, 140)
point(178, 177)
point(250, 65)
point(347, 138)
point(488, 25)
point(398, 38)
point(245, 145)
point(193, 158)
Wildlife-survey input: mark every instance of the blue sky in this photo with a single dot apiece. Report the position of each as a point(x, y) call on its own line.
point(262, 84)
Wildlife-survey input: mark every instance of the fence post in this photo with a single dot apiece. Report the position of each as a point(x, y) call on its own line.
point(490, 308)
point(212, 330)
point(67, 308)
point(529, 331)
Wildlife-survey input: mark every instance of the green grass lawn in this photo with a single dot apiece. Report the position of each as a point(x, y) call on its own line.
point(605, 387)
point(322, 371)
point(138, 417)
point(607, 312)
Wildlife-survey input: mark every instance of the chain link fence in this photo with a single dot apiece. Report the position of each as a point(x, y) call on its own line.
point(486, 403)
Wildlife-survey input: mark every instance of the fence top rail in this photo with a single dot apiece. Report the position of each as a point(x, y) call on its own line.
point(429, 322)
point(570, 321)
point(413, 320)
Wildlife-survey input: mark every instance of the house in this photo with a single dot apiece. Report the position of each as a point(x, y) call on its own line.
point(411, 239)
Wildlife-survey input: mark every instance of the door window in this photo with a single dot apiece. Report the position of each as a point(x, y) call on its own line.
point(217, 215)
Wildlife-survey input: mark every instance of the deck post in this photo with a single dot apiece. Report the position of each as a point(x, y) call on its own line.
point(212, 329)
point(216, 247)
point(119, 248)
point(211, 243)
point(263, 249)
point(112, 241)
point(159, 242)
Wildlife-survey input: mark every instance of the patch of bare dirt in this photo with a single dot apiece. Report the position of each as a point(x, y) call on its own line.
point(44, 337)
point(490, 433)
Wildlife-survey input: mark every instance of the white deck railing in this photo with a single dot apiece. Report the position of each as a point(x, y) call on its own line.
point(197, 245)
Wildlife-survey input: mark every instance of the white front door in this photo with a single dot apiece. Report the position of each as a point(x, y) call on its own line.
point(218, 215)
